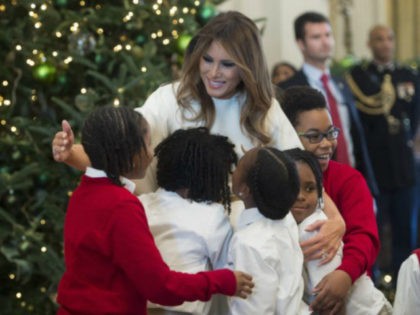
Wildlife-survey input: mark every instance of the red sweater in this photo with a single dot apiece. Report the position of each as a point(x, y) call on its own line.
point(112, 263)
point(348, 189)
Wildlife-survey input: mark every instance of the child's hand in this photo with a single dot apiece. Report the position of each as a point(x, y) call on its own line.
point(63, 142)
point(331, 293)
point(244, 284)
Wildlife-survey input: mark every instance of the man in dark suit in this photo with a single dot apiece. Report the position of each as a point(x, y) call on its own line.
point(315, 40)
point(388, 100)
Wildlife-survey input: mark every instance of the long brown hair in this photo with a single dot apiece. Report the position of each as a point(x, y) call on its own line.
point(241, 39)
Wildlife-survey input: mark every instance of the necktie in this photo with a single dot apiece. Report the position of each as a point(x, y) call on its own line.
point(342, 153)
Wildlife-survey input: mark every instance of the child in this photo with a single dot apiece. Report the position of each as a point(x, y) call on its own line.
point(266, 240)
point(407, 298)
point(112, 263)
point(363, 298)
point(187, 214)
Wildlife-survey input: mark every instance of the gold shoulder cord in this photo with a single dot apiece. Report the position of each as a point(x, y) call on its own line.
point(377, 104)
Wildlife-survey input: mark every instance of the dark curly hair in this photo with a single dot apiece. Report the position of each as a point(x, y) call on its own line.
point(198, 161)
point(297, 99)
point(273, 182)
point(111, 137)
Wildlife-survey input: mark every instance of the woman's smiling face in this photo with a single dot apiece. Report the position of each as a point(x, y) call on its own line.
point(218, 72)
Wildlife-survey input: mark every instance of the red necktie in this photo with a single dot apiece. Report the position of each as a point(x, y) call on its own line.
point(342, 154)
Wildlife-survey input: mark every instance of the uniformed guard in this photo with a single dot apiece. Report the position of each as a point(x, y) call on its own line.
point(387, 98)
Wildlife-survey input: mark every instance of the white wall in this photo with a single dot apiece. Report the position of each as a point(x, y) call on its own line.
point(278, 38)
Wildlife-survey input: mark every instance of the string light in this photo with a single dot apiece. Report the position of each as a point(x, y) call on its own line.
point(143, 69)
point(44, 249)
point(18, 295)
point(83, 90)
point(12, 276)
point(5, 83)
point(18, 47)
point(58, 34)
point(116, 102)
point(68, 60)
point(75, 27)
point(118, 48)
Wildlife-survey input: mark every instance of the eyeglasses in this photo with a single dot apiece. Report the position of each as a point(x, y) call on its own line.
point(317, 136)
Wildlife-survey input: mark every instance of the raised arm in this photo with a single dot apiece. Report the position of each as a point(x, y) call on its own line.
point(64, 149)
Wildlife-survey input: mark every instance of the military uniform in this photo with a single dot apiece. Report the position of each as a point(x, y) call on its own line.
point(387, 99)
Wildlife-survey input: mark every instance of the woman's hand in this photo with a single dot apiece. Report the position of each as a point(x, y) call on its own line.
point(325, 244)
point(331, 293)
point(63, 142)
point(64, 149)
point(244, 284)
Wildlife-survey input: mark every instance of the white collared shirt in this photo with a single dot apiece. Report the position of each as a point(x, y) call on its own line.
point(190, 236)
point(268, 250)
point(314, 74)
point(407, 298)
point(95, 173)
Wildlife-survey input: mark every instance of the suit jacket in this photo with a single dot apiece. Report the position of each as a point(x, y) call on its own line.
point(361, 155)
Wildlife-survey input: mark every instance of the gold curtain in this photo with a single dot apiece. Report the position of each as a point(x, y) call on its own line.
point(404, 18)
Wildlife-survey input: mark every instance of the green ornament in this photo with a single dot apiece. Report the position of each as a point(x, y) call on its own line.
point(206, 13)
point(99, 58)
point(60, 3)
point(182, 42)
point(62, 79)
point(43, 178)
point(141, 39)
point(44, 72)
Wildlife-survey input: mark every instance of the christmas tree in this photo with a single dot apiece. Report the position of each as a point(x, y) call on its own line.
point(59, 60)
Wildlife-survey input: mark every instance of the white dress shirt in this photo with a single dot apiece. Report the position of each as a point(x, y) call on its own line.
point(163, 113)
point(313, 75)
point(269, 250)
point(407, 298)
point(363, 298)
point(190, 236)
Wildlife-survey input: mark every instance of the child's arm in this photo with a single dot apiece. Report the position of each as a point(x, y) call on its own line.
point(136, 253)
point(326, 244)
point(64, 149)
point(331, 292)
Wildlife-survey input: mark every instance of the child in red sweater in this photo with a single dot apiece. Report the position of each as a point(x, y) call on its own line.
point(112, 263)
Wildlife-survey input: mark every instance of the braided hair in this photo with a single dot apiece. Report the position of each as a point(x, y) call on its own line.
point(299, 155)
point(198, 161)
point(112, 137)
point(273, 182)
